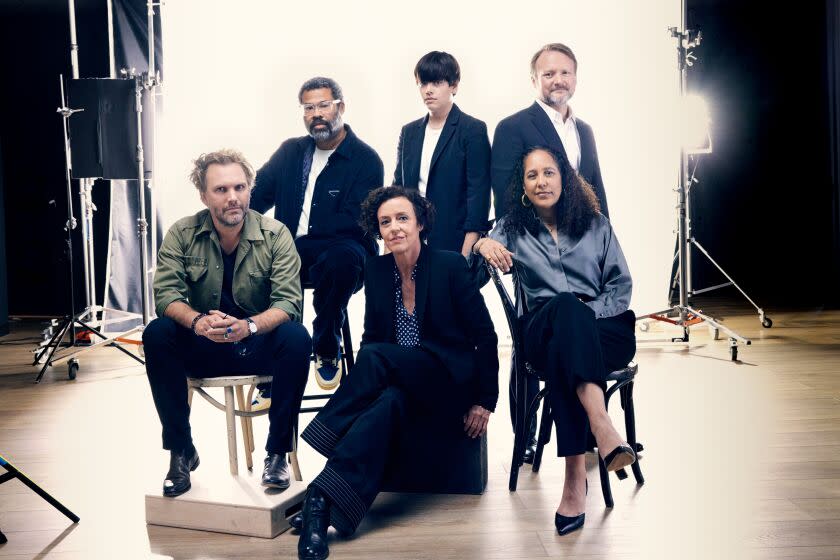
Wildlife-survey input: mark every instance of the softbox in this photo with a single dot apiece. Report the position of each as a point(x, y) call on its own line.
point(103, 136)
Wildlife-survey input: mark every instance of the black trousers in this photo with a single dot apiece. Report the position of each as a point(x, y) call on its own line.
point(173, 353)
point(335, 269)
point(356, 429)
point(564, 339)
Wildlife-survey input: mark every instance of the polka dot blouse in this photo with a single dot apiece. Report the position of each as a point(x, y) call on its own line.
point(406, 327)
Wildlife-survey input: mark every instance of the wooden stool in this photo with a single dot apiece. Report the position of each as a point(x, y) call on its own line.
point(197, 384)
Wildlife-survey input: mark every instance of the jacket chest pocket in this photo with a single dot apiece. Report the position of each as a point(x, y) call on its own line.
point(196, 268)
point(328, 199)
point(259, 278)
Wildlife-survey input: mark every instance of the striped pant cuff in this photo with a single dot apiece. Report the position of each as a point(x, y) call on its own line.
point(319, 437)
point(350, 507)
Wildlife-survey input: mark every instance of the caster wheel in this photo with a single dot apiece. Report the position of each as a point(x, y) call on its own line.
point(72, 368)
point(733, 353)
point(766, 323)
point(644, 327)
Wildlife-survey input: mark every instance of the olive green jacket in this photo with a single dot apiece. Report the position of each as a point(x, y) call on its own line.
point(266, 273)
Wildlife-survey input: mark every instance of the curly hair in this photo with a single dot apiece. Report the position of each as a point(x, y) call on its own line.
point(424, 211)
point(575, 210)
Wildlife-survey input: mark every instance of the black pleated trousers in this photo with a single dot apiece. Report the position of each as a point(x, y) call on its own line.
point(357, 427)
point(565, 340)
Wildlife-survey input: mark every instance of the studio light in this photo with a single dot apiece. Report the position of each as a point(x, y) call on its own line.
point(696, 131)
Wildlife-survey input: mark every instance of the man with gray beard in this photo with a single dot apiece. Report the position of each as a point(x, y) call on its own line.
point(316, 184)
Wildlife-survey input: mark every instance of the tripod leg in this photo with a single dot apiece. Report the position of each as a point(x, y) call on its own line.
point(53, 347)
point(38, 490)
point(117, 346)
point(57, 335)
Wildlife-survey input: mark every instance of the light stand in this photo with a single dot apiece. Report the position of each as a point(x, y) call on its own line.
point(47, 352)
point(685, 315)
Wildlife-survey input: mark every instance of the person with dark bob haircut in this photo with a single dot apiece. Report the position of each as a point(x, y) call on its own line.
point(445, 156)
point(577, 324)
point(428, 351)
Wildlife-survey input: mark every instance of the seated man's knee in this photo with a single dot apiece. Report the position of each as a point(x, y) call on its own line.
point(160, 331)
point(342, 259)
point(292, 336)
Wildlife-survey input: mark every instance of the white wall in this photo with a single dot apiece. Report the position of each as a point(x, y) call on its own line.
point(233, 70)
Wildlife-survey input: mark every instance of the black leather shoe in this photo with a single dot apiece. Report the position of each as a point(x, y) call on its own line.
point(316, 520)
point(276, 471)
point(620, 457)
point(296, 521)
point(530, 452)
point(566, 525)
point(181, 463)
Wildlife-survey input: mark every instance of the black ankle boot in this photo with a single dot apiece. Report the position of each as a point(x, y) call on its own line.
point(181, 463)
point(316, 520)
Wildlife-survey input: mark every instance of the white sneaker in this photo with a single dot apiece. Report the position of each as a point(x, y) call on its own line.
point(262, 400)
point(328, 372)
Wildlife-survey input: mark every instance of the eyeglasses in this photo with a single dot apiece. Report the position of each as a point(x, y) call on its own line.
point(309, 108)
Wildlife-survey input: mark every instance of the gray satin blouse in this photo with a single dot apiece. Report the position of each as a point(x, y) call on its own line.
point(592, 267)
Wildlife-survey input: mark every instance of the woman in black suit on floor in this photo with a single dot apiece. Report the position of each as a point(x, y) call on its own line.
point(429, 348)
point(446, 156)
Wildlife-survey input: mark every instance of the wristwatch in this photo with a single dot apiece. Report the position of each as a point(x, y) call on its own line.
point(252, 326)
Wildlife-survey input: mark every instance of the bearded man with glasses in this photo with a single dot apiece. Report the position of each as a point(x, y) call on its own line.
point(316, 184)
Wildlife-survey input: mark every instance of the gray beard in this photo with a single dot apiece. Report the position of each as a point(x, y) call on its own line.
point(333, 128)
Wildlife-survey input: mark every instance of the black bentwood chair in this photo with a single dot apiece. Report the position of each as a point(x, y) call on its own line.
point(621, 380)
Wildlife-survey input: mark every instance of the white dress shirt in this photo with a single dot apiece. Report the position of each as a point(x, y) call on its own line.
point(567, 131)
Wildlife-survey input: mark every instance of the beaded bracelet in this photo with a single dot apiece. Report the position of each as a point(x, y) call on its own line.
point(195, 321)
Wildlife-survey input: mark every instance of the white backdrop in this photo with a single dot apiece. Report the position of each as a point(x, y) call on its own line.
point(233, 70)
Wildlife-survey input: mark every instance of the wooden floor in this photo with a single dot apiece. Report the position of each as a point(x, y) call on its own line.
point(742, 460)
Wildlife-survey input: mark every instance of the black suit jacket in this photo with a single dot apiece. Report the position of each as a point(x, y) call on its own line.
point(532, 127)
point(352, 171)
point(455, 325)
point(459, 175)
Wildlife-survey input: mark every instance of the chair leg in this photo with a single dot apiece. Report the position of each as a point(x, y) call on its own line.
point(630, 426)
point(521, 416)
point(248, 402)
point(244, 421)
point(230, 420)
point(349, 360)
point(190, 391)
point(293, 459)
point(544, 435)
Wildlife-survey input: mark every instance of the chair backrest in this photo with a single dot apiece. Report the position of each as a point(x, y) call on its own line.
point(512, 309)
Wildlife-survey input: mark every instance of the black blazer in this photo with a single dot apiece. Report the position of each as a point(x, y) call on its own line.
point(459, 175)
point(353, 170)
point(455, 325)
point(532, 127)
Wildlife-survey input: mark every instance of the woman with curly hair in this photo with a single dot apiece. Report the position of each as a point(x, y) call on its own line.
point(578, 326)
point(428, 349)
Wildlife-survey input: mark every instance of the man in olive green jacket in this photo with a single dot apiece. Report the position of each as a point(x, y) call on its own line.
point(228, 300)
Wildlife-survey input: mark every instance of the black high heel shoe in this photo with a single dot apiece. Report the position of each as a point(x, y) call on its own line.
point(566, 525)
point(620, 457)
